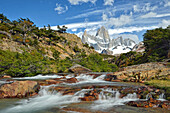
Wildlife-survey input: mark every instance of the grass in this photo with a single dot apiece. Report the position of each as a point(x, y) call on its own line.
point(161, 84)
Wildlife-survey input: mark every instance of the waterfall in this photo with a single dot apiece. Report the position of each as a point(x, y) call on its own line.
point(162, 97)
point(109, 98)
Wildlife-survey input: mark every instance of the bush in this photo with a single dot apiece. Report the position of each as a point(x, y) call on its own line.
point(95, 63)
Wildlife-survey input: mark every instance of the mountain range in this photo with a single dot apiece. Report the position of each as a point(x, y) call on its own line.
point(102, 42)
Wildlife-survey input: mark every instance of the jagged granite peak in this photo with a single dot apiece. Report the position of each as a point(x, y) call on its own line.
point(102, 32)
point(103, 44)
point(84, 37)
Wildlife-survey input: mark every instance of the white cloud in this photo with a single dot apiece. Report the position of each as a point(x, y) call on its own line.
point(129, 29)
point(122, 20)
point(80, 25)
point(77, 2)
point(60, 9)
point(126, 36)
point(104, 17)
point(164, 23)
point(163, 15)
point(108, 2)
point(149, 15)
point(147, 7)
point(136, 8)
point(167, 3)
point(95, 12)
point(74, 30)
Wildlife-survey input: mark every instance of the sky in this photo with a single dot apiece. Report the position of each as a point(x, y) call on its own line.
point(127, 18)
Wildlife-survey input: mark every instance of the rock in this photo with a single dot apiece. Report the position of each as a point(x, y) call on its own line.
point(152, 103)
point(79, 69)
point(90, 96)
point(107, 52)
point(6, 76)
point(110, 77)
point(71, 80)
point(53, 82)
point(142, 72)
point(139, 47)
point(19, 89)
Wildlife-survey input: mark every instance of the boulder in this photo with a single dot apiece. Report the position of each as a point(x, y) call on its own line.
point(19, 89)
point(142, 72)
point(6, 76)
point(79, 69)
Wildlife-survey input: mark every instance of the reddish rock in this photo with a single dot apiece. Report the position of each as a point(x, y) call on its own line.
point(19, 89)
point(116, 81)
point(53, 82)
point(110, 77)
point(6, 76)
point(90, 96)
point(71, 80)
point(150, 103)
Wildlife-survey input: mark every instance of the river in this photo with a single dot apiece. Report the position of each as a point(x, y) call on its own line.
point(53, 101)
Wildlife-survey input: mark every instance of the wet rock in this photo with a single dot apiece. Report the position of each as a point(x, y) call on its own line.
point(71, 91)
point(152, 103)
point(53, 82)
point(19, 89)
point(90, 96)
point(71, 80)
point(110, 77)
point(79, 69)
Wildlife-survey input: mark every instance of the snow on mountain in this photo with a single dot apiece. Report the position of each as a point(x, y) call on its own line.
point(102, 42)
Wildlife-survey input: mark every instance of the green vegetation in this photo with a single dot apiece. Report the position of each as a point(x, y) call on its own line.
point(38, 50)
point(157, 46)
point(127, 59)
point(95, 63)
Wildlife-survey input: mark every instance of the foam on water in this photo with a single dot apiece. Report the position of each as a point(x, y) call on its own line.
point(83, 78)
point(45, 100)
point(109, 98)
point(162, 97)
point(39, 77)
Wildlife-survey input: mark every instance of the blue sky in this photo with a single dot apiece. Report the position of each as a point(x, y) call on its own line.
point(129, 18)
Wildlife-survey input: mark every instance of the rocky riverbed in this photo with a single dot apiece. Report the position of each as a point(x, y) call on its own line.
point(85, 93)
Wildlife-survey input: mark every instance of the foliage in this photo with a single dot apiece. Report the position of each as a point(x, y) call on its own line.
point(127, 59)
point(16, 64)
point(157, 43)
point(62, 29)
point(95, 63)
point(76, 49)
point(34, 44)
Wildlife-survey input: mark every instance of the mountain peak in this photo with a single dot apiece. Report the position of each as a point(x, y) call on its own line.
point(102, 32)
point(103, 44)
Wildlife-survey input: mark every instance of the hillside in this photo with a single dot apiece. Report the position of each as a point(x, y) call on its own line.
point(26, 50)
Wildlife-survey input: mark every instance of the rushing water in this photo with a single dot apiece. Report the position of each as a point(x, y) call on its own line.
point(47, 100)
